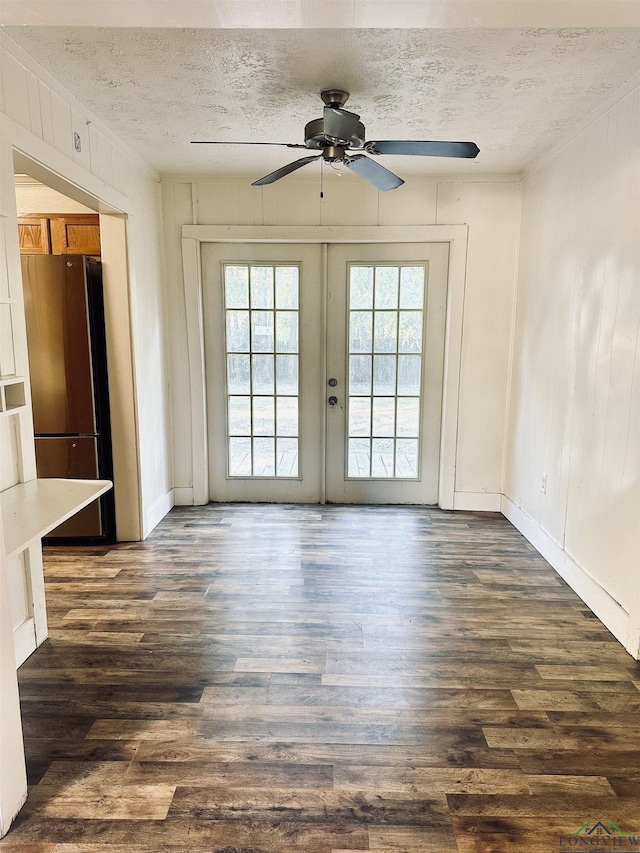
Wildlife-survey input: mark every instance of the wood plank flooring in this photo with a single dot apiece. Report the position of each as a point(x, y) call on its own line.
point(270, 679)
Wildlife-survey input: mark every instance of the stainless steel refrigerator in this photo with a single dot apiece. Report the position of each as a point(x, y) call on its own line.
point(64, 311)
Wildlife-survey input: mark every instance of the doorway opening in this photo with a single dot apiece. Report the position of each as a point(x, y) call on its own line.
point(324, 368)
point(62, 286)
point(81, 224)
point(207, 453)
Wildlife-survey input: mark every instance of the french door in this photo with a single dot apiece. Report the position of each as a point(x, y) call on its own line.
point(324, 371)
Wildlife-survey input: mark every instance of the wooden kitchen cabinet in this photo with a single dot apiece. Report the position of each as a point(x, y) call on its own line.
point(34, 233)
point(60, 234)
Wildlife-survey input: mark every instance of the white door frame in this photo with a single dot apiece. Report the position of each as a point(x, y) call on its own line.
point(194, 235)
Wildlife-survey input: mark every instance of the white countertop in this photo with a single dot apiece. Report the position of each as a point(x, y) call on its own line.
point(31, 510)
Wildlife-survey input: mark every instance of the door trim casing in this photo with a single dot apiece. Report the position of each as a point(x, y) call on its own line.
point(194, 235)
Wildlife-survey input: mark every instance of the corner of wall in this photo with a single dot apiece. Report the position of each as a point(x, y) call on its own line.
point(512, 337)
point(597, 599)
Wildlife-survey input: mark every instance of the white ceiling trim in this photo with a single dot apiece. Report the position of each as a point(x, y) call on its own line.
point(312, 14)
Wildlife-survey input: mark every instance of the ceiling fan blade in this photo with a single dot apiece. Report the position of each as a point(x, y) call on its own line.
point(425, 149)
point(373, 172)
point(339, 124)
point(218, 142)
point(285, 170)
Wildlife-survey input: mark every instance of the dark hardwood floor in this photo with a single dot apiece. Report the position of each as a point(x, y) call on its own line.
point(270, 679)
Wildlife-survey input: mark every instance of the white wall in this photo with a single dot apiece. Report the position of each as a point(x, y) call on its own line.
point(492, 212)
point(37, 198)
point(574, 398)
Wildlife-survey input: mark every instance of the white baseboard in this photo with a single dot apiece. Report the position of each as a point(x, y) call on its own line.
point(183, 496)
point(477, 501)
point(597, 599)
point(157, 511)
point(24, 641)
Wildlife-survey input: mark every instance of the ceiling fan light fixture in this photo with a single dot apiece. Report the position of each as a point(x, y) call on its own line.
point(334, 153)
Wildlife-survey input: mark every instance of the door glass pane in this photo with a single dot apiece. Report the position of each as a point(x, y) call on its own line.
point(410, 331)
point(287, 416)
point(412, 287)
point(386, 287)
point(382, 457)
point(239, 457)
point(262, 287)
point(239, 415)
point(360, 374)
point(360, 327)
point(238, 374)
point(384, 410)
point(286, 457)
point(384, 374)
point(409, 369)
point(264, 457)
point(408, 423)
point(262, 357)
point(407, 457)
point(386, 328)
point(237, 331)
point(262, 331)
point(236, 287)
point(361, 287)
point(286, 331)
point(287, 374)
point(360, 416)
point(287, 288)
point(264, 416)
point(359, 457)
point(385, 336)
point(262, 374)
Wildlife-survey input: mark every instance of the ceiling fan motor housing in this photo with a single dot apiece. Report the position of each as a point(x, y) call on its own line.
point(314, 136)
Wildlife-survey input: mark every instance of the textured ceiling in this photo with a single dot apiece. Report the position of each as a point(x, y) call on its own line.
point(512, 91)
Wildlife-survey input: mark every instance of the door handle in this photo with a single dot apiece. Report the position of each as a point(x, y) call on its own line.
point(333, 401)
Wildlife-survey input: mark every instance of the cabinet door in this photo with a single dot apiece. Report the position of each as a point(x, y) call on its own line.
point(34, 235)
point(75, 235)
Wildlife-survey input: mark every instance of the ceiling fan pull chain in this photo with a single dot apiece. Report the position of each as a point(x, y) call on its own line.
point(321, 178)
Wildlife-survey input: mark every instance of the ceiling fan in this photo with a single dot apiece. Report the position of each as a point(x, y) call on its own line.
point(339, 132)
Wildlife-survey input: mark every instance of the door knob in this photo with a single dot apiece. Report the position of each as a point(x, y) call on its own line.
point(333, 382)
point(333, 401)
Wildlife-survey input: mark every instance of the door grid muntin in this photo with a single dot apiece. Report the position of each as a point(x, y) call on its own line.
point(385, 337)
point(262, 364)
